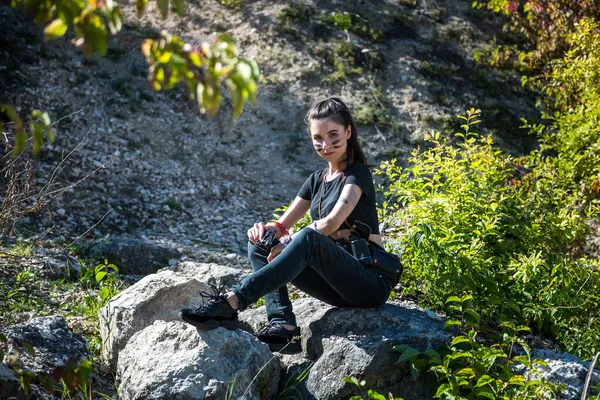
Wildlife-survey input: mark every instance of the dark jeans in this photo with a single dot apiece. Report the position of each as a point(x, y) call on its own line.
point(316, 265)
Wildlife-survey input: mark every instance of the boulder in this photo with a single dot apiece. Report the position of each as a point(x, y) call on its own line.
point(53, 342)
point(566, 369)
point(132, 256)
point(10, 388)
point(174, 360)
point(358, 342)
point(56, 264)
point(158, 296)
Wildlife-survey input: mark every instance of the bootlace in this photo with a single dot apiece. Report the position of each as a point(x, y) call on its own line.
point(211, 298)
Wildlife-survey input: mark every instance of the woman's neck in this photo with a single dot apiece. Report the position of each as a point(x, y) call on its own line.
point(336, 167)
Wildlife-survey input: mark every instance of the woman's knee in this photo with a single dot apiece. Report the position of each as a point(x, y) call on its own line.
point(309, 235)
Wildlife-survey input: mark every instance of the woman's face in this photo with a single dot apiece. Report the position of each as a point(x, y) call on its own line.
point(329, 139)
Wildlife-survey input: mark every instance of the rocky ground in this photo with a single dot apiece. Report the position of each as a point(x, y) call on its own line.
point(154, 168)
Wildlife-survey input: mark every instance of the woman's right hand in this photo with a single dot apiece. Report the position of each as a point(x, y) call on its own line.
point(258, 230)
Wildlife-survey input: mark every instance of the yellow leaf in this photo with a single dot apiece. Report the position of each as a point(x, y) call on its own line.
point(55, 29)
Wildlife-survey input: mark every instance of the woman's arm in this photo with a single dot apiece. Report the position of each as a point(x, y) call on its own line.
point(343, 207)
point(296, 211)
point(293, 214)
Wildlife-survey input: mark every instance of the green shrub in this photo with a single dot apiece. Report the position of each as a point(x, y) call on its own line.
point(539, 28)
point(352, 22)
point(476, 222)
point(469, 368)
point(297, 11)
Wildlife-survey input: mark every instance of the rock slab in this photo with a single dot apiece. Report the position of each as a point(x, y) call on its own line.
point(566, 369)
point(54, 343)
point(358, 342)
point(174, 360)
point(133, 256)
point(157, 297)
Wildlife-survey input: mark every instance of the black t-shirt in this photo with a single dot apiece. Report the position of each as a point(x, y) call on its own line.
point(358, 174)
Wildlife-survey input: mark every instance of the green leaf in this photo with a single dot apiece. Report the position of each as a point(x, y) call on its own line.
point(539, 361)
point(443, 388)
point(466, 297)
point(487, 395)
point(434, 356)
point(517, 380)
point(451, 322)
point(484, 380)
point(163, 6)
point(459, 339)
point(29, 347)
point(465, 372)
point(414, 371)
point(55, 29)
point(179, 7)
point(400, 348)
point(409, 353)
point(100, 275)
point(452, 299)
point(104, 292)
point(473, 314)
point(376, 396)
point(460, 354)
point(141, 7)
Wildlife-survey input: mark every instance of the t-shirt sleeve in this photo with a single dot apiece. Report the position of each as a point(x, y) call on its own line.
point(305, 191)
point(360, 175)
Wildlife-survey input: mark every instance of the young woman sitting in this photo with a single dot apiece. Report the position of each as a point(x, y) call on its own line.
point(314, 259)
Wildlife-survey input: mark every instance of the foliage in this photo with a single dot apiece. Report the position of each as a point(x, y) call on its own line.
point(352, 22)
point(571, 141)
point(65, 379)
point(171, 61)
point(39, 126)
point(236, 4)
point(296, 11)
point(541, 25)
point(303, 223)
point(372, 394)
point(477, 222)
point(290, 388)
point(469, 369)
point(347, 58)
point(376, 110)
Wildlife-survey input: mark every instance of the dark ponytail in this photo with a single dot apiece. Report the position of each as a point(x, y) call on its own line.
point(335, 110)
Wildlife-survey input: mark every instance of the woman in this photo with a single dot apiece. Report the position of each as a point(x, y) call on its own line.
point(311, 260)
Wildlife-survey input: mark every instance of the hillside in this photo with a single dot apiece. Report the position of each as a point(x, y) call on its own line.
point(167, 173)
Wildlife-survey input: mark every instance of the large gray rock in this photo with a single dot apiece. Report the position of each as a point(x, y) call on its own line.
point(56, 264)
point(10, 388)
point(174, 360)
point(54, 343)
point(158, 296)
point(566, 369)
point(133, 256)
point(358, 342)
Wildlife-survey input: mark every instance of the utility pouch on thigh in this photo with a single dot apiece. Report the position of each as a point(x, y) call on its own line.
point(385, 263)
point(360, 250)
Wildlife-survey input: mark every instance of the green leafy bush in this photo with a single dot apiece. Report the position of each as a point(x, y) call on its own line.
point(352, 22)
point(297, 11)
point(477, 222)
point(540, 28)
point(570, 143)
point(469, 368)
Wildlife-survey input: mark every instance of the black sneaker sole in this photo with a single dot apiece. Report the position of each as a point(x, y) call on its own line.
point(212, 324)
point(286, 348)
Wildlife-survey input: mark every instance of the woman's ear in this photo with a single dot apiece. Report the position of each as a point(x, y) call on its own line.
point(348, 132)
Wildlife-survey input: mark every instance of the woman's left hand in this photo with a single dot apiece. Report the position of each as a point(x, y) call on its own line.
point(275, 250)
